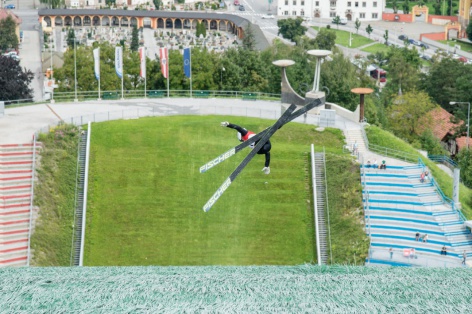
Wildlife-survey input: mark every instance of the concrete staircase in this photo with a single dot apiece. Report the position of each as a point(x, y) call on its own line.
point(16, 174)
point(397, 206)
point(77, 242)
point(355, 136)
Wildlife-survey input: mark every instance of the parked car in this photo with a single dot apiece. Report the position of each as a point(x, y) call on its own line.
point(414, 42)
point(10, 6)
point(342, 21)
point(403, 37)
point(268, 16)
point(242, 8)
point(425, 57)
point(423, 45)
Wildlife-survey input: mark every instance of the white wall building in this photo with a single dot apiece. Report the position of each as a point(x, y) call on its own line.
point(364, 10)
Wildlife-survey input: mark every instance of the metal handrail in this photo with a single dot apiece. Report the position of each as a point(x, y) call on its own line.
point(30, 225)
point(393, 153)
point(443, 159)
point(445, 199)
point(129, 94)
point(327, 206)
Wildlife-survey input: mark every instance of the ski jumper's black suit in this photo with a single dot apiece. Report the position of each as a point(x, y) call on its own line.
point(245, 135)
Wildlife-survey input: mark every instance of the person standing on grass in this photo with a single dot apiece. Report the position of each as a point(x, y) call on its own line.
point(244, 135)
point(464, 258)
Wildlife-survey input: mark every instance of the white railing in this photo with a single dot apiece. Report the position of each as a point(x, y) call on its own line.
point(315, 204)
point(84, 210)
point(31, 202)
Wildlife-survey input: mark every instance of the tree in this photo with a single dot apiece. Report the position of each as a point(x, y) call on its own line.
point(134, 39)
point(291, 28)
point(469, 31)
point(14, 81)
point(432, 144)
point(369, 29)
point(395, 6)
point(70, 38)
point(437, 7)
point(249, 40)
point(464, 159)
point(357, 25)
point(408, 114)
point(53, 4)
point(337, 21)
point(340, 76)
point(403, 66)
point(406, 7)
point(385, 36)
point(8, 38)
point(325, 39)
point(446, 81)
point(200, 30)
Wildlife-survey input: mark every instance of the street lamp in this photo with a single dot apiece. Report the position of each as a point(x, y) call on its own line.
point(221, 79)
point(468, 117)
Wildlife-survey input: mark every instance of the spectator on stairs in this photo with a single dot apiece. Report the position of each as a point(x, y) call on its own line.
point(417, 236)
point(383, 165)
point(464, 258)
point(426, 175)
point(355, 148)
point(375, 164)
point(444, 250)
point(425, 238)
point(368, 165)
point(422, 177)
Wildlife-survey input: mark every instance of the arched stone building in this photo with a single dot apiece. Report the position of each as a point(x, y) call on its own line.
point(171, 20)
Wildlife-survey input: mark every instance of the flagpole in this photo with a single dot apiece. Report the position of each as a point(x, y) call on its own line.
point(122, 76)
point(190, 72)
point(168, 74)
point(145, 73)
point(75, 69)
point(99, 93)
point(99, 76)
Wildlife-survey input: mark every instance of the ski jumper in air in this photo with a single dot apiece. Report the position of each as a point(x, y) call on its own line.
point(244, 135)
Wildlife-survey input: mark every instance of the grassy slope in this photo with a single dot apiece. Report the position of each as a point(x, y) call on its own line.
point(147, 193)
point(376, 48)
point(380, 137)
point(349, 242)
point(54, 194)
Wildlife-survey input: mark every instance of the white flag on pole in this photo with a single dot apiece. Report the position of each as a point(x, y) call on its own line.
point(119, 61)
point(96, 58)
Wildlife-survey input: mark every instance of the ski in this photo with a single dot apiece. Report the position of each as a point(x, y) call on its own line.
point(265, 137)
point(255, 138)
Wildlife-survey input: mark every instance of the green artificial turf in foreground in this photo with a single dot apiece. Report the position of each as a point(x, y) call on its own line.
point(146, 194)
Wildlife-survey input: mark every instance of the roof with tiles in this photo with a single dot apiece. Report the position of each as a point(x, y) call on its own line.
point(6, 13)
point(461, 142)
point(441, 122)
